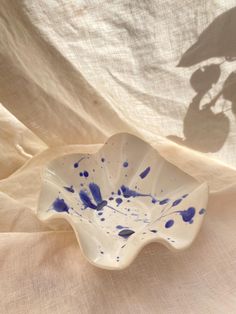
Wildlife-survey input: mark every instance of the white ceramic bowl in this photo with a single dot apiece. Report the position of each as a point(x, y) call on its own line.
point(122, 198)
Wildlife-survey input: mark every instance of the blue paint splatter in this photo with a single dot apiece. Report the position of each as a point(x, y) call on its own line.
point(125, 164)
point(126, 233)
point(145, 173)
point(120, 227)
point(101, 205)
point(202, 211)
point(86, 174)
point(69, 188)
point(76, 164)
point(176, 202)
point(95, 190)
point(165, 201)
point(119, 200)
point(60, 206)
point(81, 174)
point(169, 223)
point(86, 200)
point(130, 193)
point(188, 214)
point(97, 196)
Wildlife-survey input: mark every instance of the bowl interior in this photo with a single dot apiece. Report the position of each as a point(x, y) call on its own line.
point(126, 193)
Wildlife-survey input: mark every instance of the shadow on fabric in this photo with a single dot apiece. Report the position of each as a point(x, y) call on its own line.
point(205, 126)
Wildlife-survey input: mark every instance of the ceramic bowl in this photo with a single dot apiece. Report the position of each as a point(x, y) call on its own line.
point(122, 198)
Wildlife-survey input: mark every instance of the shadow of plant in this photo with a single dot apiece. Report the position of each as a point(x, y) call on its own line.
point(204, 128)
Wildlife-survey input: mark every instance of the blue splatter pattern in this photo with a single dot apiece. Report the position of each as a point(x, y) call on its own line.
point(90, 198)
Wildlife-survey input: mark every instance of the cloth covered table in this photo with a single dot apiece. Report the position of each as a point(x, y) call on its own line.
point(72, 73)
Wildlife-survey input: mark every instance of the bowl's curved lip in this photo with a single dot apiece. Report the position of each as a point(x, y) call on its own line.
point(131, 257)
point(108, 140)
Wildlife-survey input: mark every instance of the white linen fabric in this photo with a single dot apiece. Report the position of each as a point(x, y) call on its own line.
point(72, 73)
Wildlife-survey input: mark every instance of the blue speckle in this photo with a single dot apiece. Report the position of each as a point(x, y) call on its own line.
point(102, 159)
point(145, 173)
point(111, 198)
point(69, 188)
point(154, 200)
point(125, 233)
point(165, 201)
point(169, 223)
point(176, 202)
point(125, 164)
point(86, 200)
point(120, 227)
point(154, 231)
point(187, 215)
point(59, 205)
point(81, 174)
point(86, 174)
point(76, 164)
point(102, 219)
point(119, 192)
point(202, 211)
point(119, 200)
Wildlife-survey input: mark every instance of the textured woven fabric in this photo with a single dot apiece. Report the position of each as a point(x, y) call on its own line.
point(72, 73)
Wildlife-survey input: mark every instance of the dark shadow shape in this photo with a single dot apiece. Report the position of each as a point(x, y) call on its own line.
point(203, 129)
point(229, 90)
point(217, 40)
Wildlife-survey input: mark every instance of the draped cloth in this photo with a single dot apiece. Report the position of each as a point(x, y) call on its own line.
point(73, 73)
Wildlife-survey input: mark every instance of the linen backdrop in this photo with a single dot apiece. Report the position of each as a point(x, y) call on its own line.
point(74, 72)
